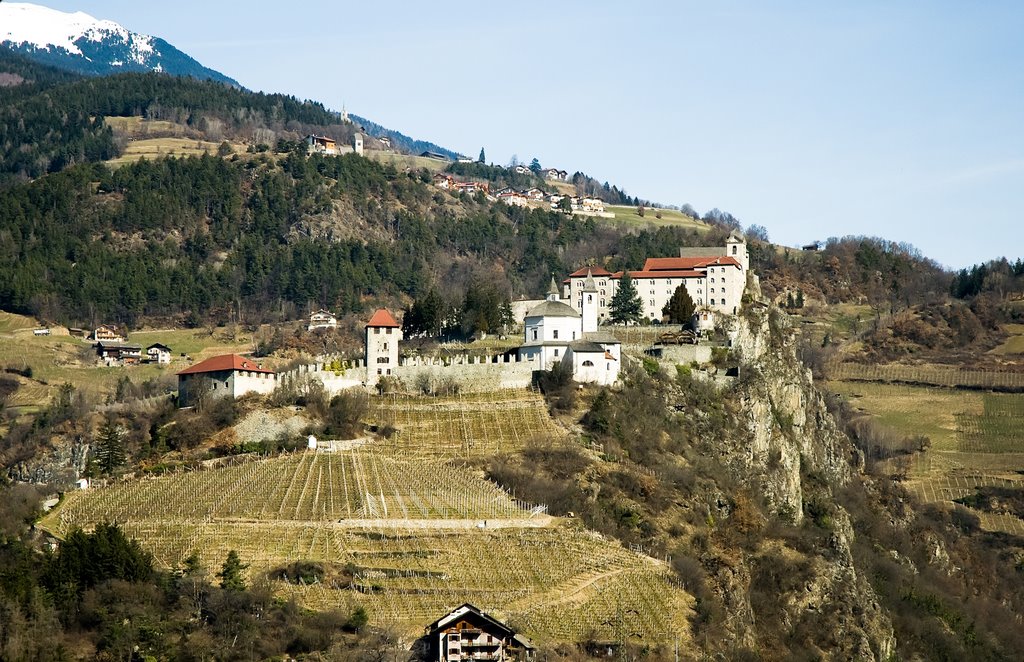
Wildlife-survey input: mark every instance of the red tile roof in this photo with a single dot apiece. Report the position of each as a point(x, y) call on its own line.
point(596, 271)
point(223, 363)
point(675, 273)
point(383, 318)
point(659, 263)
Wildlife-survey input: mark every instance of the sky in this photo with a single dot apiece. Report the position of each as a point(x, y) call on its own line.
point(814, 119)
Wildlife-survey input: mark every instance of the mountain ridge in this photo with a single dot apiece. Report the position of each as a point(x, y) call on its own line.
point(83, 44)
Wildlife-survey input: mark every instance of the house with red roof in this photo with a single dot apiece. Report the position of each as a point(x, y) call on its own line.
point(228, 375)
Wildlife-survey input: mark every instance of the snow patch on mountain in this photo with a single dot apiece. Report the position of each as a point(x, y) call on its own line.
point(85, 44)
point(26, 24)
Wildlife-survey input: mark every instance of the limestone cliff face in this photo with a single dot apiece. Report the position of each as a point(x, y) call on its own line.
point(789, 450)
point(789, 427)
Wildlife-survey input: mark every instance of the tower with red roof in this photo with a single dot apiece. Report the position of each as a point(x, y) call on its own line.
point(383, 332)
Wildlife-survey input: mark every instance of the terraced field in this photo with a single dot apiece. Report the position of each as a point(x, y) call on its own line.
point(402, 562)
point(302, 487)
point(471, 425)
point(402, 528)
point(977, 439)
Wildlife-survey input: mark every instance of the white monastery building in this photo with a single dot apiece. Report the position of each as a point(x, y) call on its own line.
point(554, 331)
point(715, 277)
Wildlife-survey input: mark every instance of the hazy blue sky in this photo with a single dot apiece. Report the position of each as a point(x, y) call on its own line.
point(814, 119)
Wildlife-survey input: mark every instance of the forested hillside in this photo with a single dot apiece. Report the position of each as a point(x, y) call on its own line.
point(201, 236)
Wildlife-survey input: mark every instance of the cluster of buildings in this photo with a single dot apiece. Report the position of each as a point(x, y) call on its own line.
point(552, 174)
point(563, 327)
point(518, 197)
point(553, 331)
point(113, 349)
point(329, 146)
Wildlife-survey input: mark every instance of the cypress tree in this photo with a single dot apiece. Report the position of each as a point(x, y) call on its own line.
point(109, 447)
point(680, 307)
point(626, 305)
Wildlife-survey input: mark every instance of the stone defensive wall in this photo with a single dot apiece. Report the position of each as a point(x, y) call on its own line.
point(473, 374)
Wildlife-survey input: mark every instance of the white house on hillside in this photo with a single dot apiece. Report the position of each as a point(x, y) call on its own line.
point(322, 319)
point(228, 375)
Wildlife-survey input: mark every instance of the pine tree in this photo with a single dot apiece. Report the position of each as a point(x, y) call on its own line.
point(231, 573)
point(482, 158)
point(626, 305)
point(535, 165)
point(109, 447)
point(680, 307)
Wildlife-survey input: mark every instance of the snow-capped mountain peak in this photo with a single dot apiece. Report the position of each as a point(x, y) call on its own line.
point(23, 23)
point(88, 45)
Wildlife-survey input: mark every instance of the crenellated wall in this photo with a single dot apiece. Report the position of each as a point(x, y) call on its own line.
point(471, 373)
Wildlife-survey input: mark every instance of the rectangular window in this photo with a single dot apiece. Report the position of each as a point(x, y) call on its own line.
point(535, 334)
point(555, 334)
point(388, 331)
point(556, 352)
point(652, 281)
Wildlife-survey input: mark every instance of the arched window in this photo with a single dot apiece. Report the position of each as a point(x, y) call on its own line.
point(588, 364)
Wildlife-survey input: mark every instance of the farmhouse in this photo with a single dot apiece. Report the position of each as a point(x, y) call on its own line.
point(158, 353)
point(228, 375)
point(108, 333)
point(714, 276)
point(555, 174)
point(329, 146)
point(118, 353)
point(322, 319)
point(321, 145)
point(513, 198)
point(467, 633)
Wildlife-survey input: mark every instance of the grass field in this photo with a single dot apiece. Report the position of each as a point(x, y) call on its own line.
point(977, 438)
point(1014, 344)
point(403, 161)
point(627, 215)
point(914, 410)
point(10, 323)
point(155, 148)
point(58, 359)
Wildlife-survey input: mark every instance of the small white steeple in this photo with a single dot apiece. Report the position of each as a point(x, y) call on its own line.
point(553, 290)
point(588, 306)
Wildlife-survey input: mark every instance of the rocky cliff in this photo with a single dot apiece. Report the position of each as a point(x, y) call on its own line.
point(792, 589)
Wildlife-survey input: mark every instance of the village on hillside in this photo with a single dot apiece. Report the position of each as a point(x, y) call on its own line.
point(570, 325)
